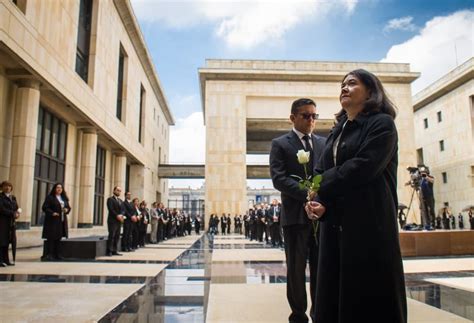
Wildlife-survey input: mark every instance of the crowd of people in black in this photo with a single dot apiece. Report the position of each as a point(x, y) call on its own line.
point(135, 216)
point(260, 223)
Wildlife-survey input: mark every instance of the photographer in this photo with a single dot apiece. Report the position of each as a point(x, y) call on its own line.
point(427, 198)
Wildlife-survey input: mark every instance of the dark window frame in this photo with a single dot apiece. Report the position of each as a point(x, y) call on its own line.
point(425, 122)
point(84, 28)
point(141, 113)
point(120, 82)
point(99, 189)
point(48, 169)
point(439, 115)
point(441, 145)
point(445, 177)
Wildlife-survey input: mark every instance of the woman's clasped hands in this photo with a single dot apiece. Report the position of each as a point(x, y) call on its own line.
point(314, 210)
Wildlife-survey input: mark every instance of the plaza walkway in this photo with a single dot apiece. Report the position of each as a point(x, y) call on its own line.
point(201, 279)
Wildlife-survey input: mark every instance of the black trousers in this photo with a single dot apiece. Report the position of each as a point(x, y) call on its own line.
point(429, 206)
point(260, 230)
point(276, 234)
point(300, 245)
point(114, 235)
point(134, 235)
point(127, 235)
point(52, 248)
point(4, 254)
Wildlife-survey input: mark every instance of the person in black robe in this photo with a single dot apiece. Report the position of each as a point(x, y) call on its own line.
point(56, 207)
point(9, 212)
point(360, 271)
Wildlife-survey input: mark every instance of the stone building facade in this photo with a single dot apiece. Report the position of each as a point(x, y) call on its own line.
point(81, 104)
point(444, 136)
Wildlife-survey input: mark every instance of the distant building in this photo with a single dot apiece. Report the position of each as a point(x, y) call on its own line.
point(444, 136)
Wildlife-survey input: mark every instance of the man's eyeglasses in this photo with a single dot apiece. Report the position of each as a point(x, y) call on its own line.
point(308, 116)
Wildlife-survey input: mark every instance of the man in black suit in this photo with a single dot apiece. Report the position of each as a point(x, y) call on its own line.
point(297, 229)
point(114, 221)
point(274, 220)
point(127, 224)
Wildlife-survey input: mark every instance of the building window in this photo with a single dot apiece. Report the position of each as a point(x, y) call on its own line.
point(50, 159)
point(83, 38)
point(127, 178)
point(159, 155)
point(445, 177)
point(440, 116)
point(141, 114)
point(425, 122)
point(120, 82)
point(99, 186)
point(441, 145)
point(153, 144)
point(419, 156)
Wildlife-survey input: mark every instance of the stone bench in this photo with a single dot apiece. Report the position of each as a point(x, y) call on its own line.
point(83, 247)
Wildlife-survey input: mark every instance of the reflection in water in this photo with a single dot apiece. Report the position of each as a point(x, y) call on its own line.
point(180, 292)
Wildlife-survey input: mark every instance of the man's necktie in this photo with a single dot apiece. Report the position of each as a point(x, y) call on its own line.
point(308, 148)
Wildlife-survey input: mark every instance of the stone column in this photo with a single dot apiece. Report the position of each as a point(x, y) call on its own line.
point(22, 164)
point(120, 161)
point(137, 181)
point(87, 178)
point(226, 148)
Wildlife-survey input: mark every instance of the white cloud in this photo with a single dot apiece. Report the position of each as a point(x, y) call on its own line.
point(241, 24)
point(188, 140)
point(404, 23)
point(442, 44)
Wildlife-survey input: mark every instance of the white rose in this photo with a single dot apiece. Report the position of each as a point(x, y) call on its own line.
point(303, 156)
point(19, 210)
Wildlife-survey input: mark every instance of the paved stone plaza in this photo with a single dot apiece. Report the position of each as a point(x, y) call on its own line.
point(201, 279)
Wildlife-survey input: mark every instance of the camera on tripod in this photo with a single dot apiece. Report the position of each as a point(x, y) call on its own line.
point(416, 175)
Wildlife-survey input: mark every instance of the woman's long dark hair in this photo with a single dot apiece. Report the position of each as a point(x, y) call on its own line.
point(63, 194)
point(378, 101)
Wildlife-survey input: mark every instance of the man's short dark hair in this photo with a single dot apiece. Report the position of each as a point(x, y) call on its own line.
point(299, 103)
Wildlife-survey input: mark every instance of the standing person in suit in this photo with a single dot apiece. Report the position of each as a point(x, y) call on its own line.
point(56, 207)
point(114, 221)
point(197, 223)
point(297, 229)
point(154, 223)
point(127, 223)
point(360, 262)
point(144, 219)
point(160, 210)
point(223, 223)
point(229, 223)
point(274, 218)
point(9, 212)
point(260, 222)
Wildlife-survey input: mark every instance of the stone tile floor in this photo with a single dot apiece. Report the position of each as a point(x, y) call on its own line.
point(195, 279)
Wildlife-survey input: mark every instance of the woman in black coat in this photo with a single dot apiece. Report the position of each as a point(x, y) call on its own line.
point(360, 272)
point(144, 219)
point(9, 211)
point(56, 207)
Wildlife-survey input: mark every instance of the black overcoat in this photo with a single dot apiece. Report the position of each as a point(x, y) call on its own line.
point(360, 272)
point(8, 207)
point(54, 228)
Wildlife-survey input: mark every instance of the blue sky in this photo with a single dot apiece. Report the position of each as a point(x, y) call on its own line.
point(431, 35)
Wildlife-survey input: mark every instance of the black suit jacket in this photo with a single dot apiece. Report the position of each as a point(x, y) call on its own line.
point(283, 163)
point(115, 208)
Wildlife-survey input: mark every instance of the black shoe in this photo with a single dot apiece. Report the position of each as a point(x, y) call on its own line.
point(2, 264)
point(59, 258)
point(108, 254)
point(47, 258)
point(10, 263)
point(115, 253)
